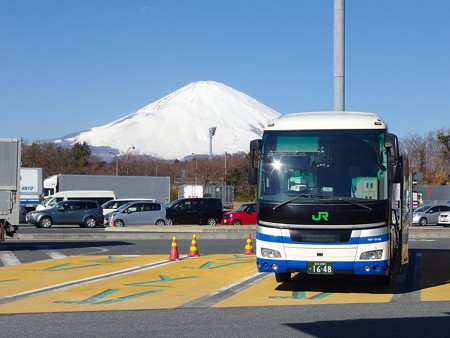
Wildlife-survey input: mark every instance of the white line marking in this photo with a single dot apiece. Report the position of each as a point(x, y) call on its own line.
point(9, 259)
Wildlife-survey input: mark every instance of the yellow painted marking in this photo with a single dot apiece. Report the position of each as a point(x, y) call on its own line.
point(26, 277)
point(180, 282)
point(310, 291)
point(435, 282)
point(165, 287)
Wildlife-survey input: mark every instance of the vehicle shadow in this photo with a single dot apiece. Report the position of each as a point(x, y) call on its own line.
point(423, 271)
point(377, 327)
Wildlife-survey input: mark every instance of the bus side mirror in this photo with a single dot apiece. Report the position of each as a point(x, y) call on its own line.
point(394, 158)
point(252, 174)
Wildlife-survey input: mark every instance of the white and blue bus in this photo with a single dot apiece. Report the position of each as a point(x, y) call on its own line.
point(333, 196)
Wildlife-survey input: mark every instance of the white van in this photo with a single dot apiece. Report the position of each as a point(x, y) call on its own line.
point(101, 196)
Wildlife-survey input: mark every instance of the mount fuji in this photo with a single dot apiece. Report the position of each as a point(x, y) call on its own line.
point(177, 125)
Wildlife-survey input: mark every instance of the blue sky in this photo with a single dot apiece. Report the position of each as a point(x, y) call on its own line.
point(67, 66)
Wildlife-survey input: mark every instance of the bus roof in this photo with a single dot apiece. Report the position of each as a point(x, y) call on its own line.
point(327, 120)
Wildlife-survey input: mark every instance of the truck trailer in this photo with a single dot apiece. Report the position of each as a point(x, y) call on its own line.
point(157, 187)
point(31, 187)
point(10, 151)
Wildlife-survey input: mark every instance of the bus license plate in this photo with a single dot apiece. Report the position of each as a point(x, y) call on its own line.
point(320, 268)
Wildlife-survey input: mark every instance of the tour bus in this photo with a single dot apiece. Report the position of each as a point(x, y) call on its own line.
point(101, 196)
point(333, 196)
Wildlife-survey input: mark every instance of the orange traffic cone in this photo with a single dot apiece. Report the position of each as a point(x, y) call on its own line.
point(112, 221)
point(174, 256)
point(193, 250)
point(249, 246)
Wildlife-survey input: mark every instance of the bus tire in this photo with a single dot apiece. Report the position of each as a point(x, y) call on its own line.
point(383, 280)
point(282, 277)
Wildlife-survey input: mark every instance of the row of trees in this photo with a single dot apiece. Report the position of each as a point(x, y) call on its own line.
point(429, 154)
point(55, 159)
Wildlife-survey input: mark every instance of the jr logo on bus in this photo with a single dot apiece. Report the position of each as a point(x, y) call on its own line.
point(320, 215)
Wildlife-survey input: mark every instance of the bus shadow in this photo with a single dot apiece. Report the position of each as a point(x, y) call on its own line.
point(423, 271)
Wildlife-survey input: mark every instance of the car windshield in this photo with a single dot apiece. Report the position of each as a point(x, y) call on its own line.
point(422, 209)
point(242, 207)
point(109, 205)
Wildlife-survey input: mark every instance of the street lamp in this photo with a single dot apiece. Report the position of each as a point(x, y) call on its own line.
point(225, 177)
point(212, 131)
point(195, 157)
point(117, 163)
point(128, 156)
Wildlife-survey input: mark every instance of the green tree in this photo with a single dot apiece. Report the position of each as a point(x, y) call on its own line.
point(80, 154)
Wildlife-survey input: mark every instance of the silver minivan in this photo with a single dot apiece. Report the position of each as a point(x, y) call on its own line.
point(137, 213)
point(428, 214)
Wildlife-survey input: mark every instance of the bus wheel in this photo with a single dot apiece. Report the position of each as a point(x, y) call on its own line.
point(283, 277)
point(384, 280)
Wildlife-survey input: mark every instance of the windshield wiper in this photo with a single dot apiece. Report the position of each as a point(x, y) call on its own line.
point(294, 198)
point(329, 198)
point(343, 199)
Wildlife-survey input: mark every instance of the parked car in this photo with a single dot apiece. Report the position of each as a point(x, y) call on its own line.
point(428, 214)
point(194, 211)
point(244, 214)
point(22, 214)
point(112, 205)
point(85, 213)
point(444, 219)
point(137, 213)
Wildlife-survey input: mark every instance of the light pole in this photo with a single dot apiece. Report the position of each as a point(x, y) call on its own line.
point(128, 156)
point(225, 177)
point(212, 131)
point(195, 158)
point(117, 163)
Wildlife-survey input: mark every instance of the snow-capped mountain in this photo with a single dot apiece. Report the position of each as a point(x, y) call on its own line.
point(177, 125)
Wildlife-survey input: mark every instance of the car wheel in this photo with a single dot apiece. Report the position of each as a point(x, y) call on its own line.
point(212, 221)
point(160, 222)
point(237, 222)
point(45, 222)
point(423, 221)
point(169, 221)
point(90, 222)
point(119, 223)
point(283, 277)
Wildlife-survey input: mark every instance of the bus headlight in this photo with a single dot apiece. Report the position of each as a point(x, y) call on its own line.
point(270, 253)
point(369, 255)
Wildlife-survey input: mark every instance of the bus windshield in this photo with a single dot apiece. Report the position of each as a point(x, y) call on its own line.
point(328, 164)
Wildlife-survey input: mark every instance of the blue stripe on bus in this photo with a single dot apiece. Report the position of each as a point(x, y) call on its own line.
point(357, 268)
point(353, 240)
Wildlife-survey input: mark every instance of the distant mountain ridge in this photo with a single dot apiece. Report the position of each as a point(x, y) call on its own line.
point(177, 125)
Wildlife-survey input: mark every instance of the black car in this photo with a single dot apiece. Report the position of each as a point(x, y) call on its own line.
point(85, 213)
point(194, 211)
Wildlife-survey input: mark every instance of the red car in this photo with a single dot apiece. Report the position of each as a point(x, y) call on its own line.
point(245, 214)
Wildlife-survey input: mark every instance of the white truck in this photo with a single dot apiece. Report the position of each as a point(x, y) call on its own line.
point(31, 187)
point(10, 151)
point(155, 187)
point(190, 190)
point(224, 192)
